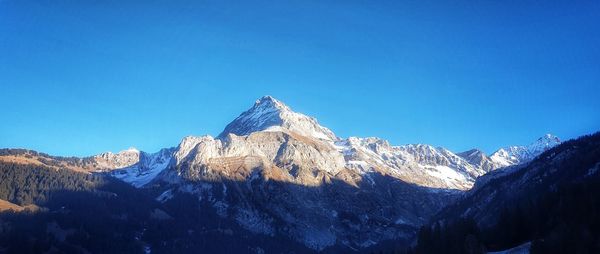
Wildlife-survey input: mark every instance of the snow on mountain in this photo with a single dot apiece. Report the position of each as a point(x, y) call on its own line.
point(420, 164)
point(289, 175)
point(248, 140)
point(146, 169)
point(542, 144)
point(278, 173)
point(509, 155)
point(568, 163)
point(318, 192)
point(271, 114)
point(133, 166)
point(513, 155)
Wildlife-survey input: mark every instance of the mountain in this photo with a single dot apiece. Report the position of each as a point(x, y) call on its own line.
point(269, 114)
point(480, 159)
point(550, 203)
point(144, 168)
point(419, 164)
point(259, 135)
point(121, 159)
point(513, 155)
point(58, 210)
point(540, 175)
point(278, 172)
point(510, 155)
point(275, 173)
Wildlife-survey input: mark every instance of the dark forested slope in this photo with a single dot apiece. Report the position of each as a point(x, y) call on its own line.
point(553, 202)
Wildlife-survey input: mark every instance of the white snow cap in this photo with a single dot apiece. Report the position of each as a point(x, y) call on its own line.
point(267, 113)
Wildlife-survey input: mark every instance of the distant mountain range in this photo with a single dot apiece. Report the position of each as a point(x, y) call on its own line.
point(278, 173)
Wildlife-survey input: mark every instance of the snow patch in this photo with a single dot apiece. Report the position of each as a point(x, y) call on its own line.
point(146, 169)
point(447, 174)
point(521, 249)
point(165, 196)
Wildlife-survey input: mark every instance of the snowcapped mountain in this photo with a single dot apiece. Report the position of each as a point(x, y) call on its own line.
point(264, 133)
point(277, 174)
point(573, 162)
point(513, 155)
point(269, 114)
point(419, 164)
point(271, 133)
point(274, 171)
point(542, 144)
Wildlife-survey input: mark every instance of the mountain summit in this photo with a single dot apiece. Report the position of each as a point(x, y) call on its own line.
point(270, 114)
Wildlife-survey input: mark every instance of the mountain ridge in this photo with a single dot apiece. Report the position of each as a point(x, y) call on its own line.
point(274, 171)
point(421, 164)
point(427, 165)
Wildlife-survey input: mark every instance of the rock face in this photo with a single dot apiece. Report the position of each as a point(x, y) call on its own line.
point(121, 159)
point(278, 172)
point(146, 168)
point(479, 159)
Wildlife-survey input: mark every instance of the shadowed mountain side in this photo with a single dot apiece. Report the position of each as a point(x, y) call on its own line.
point(81, 222)
point(228, 215)
point(572, 161)
point(550, 204)
point(114, 217)
point(322, 217)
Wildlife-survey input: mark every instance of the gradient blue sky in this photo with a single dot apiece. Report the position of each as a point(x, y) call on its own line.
point(83, 77)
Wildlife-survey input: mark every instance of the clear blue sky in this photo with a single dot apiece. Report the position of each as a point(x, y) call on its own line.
point(83, 77)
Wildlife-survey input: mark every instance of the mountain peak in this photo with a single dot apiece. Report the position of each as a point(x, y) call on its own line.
point(270, 101)
point(549, 138)
point(517, 154)
point(543, 143)
point(130, 150)
point(471, 153)
point(270, 114)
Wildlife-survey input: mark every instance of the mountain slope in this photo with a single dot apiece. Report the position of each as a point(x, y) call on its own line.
point(551, 202)
point(145, 168)
point(75, 212)
point(513, 155)
point(479, 159)
point(566, 163)
point(275, 174)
